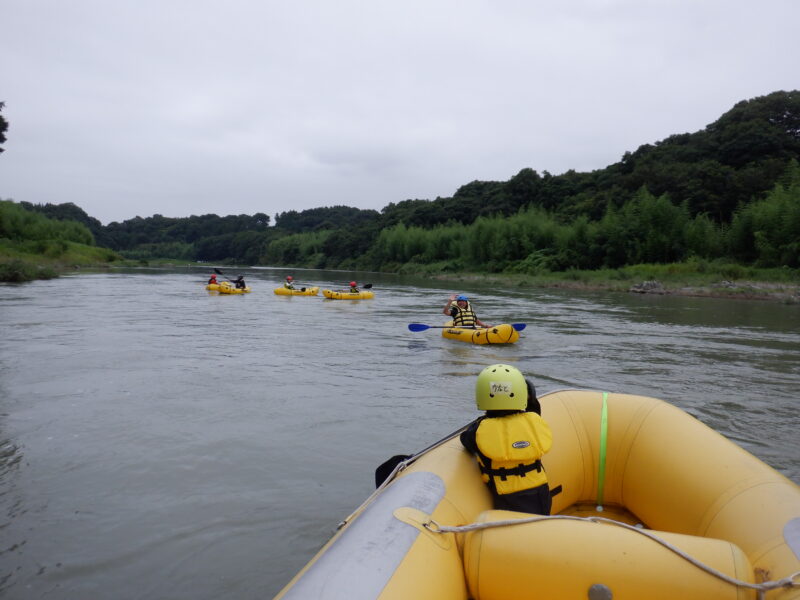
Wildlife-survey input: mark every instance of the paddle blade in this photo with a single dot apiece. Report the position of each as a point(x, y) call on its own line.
point(519, 326)
point(417, 327)
point(368, 286)
point(218, 272)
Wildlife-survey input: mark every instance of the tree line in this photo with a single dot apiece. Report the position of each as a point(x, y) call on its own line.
point(19, 224)
point(729, 191)
point(646, 229)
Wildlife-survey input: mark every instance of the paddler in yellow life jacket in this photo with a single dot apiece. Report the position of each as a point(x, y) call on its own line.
point(289, 285)
point(459, 308)
point(510, 440)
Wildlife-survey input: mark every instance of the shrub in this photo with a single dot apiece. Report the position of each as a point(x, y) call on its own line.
point(17, 271)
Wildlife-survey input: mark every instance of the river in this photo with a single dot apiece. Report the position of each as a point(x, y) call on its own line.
point(159, 441)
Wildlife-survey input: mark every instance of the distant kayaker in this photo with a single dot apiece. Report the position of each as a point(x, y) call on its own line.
point(354, 287)
point(510, 440)
point(212, 280)
point(459, 308)
point(289, 285)
point(240, 284)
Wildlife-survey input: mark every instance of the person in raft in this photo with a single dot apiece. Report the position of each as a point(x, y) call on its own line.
point(240, 284)
point(510, 440)
point(459, 308)
point(354, 287)
point(289, 285)
point(212, 279)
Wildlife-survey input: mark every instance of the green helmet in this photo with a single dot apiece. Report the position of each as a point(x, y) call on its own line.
point(501, 387)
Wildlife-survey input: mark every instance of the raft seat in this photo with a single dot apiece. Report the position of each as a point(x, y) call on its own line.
point(573, 558)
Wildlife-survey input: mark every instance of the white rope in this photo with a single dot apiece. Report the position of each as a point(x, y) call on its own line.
point(761, 588)
point(399, 467)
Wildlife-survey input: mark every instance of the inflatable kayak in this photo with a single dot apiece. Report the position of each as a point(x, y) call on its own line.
point(212, 287)
point(362, 295)
point(648, 503)
point(227, 288)
point(497, 334)
point(309, 291)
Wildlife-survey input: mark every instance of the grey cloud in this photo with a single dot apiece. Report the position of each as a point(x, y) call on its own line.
point(130, 108)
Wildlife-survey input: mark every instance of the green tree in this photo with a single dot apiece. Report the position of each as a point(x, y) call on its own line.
point(3, 126)
point(18, 223)
point(764, 126)
point(704, 238)
point(767, 232)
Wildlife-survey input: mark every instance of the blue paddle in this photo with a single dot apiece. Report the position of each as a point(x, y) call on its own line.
point(421, 327)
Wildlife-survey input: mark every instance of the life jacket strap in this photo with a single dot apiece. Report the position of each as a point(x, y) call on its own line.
point(520, 470)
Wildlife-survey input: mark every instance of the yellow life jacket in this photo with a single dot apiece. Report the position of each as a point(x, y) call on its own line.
point(464, 317)
point(509, 451)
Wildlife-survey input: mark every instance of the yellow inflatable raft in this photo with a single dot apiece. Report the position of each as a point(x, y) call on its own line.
point(212, 287)
point(362, 295)
point(229, 288)
point(309, 291)
point(497, 334)
point(648, 504)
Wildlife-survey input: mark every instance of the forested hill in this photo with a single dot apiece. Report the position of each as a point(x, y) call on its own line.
point(732, 161)
point(712, 181)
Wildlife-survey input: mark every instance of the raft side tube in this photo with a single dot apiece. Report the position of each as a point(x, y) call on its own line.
point(364, 556)
point(570, 556)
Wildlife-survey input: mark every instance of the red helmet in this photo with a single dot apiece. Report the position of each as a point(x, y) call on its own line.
point(353, 284)
point(288, 278)
point(213, 276)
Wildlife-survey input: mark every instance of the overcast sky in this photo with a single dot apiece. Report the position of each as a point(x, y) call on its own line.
point(183, 107)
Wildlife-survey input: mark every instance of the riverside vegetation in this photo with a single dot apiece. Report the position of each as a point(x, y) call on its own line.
point(33, 246)
point(714, 212)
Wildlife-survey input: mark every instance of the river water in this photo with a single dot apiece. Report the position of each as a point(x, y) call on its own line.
point(158, 441)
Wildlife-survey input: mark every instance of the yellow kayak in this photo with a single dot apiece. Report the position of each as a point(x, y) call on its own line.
point(309, 291)
point(497, 334)
point(362, 295)
point(212, 287)
point(648, 503)
point(228, 288)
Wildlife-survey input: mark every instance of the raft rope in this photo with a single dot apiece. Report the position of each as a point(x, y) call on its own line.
point(792, 581)
point(601, 468)
point(397, 469)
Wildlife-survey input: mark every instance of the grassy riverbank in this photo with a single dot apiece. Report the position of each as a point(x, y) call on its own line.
point(25, 261)
point(44, 259)
point(682, 279)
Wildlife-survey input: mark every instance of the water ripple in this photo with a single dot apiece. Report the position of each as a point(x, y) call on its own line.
point(204, 445)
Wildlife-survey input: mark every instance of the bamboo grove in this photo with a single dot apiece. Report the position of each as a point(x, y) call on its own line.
point(646, 229)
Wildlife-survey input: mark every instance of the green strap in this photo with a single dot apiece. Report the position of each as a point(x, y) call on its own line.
point(601, 470)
